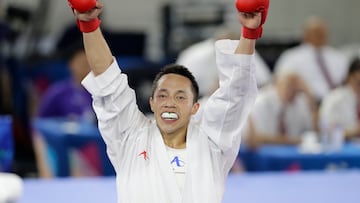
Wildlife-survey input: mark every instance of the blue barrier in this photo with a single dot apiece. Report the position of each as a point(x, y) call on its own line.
point(6, 143)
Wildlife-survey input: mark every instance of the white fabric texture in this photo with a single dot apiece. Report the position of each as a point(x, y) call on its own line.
point(178, 159)
point(211, 145)
point(339, 108)
point(267, 108)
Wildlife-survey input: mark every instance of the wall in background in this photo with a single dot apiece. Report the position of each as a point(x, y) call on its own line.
point(284, 21)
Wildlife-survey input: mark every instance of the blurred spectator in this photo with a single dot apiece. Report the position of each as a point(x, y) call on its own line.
point(199, 58)
point(68, 96)
point(321, 66)
point(342, 105)
point(66, 99)
point(282, 113)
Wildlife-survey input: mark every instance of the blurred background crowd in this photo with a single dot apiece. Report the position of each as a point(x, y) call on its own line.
point(308, 70)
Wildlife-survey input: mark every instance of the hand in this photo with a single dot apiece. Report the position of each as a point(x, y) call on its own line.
point(250, 9)
point(250, 20)
point(87, 13)
point(82, 5)
point(90, 14)
point(301, 85)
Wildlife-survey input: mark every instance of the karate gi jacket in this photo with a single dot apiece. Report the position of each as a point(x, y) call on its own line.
point(137, 151)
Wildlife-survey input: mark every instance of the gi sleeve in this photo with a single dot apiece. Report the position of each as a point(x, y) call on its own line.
point(227, 109)
point(114, 103)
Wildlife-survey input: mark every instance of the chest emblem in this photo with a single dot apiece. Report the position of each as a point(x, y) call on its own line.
point(144, 154)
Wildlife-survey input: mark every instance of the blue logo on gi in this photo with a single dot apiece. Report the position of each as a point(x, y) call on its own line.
point(177, 161)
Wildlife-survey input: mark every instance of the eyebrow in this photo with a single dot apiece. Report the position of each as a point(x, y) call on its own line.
point(177, 92)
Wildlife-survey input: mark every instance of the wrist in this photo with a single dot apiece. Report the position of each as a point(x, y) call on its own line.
point(251, 33)
point(89, 26)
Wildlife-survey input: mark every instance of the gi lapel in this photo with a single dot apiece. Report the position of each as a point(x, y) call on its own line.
point(199, 185)
point(167, 180)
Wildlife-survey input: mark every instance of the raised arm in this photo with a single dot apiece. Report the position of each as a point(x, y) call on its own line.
point(97, 50)
point(252, 15)
point(228, 108)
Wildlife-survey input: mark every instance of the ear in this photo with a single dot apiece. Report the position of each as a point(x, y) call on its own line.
point(151, 102)
point(195, 108)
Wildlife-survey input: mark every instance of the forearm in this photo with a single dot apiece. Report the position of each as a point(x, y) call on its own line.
point(314, 110)
point(97, 51)
point(352, 133)
point(229, 106)
point(245, 46)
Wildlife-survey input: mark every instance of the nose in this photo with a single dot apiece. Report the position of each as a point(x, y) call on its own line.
point(170, 103)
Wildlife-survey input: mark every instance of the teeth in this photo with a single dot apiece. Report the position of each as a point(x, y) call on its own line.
point(169, 115)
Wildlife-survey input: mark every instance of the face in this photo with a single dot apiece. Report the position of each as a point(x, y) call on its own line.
point(316, 33)
point(173, 104)
point(79, 66)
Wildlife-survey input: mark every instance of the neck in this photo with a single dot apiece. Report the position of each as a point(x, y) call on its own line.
point(177, 141)
point(281, 95)
point(353, 89)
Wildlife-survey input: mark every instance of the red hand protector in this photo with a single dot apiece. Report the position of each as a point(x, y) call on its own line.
point(251, 6)
point(83, 6)
point(88, 26)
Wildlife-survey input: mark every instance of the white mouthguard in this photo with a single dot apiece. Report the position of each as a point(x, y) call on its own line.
point(169, 115)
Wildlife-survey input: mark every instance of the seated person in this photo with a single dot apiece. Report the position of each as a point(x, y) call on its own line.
point(68, 98)
point(342, 105)
point(321, 66)
point(283, 111)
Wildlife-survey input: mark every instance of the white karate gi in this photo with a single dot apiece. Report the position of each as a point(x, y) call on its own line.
point(211, 145)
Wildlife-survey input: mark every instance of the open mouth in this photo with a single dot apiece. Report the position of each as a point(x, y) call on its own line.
point(169, 116)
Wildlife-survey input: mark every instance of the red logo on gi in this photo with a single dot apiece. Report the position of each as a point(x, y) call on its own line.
point(144, 154)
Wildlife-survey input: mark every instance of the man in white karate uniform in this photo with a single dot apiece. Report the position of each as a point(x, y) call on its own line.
point(172, 159)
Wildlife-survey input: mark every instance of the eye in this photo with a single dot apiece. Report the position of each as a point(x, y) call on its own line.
point(180, 97)
point(161, 96)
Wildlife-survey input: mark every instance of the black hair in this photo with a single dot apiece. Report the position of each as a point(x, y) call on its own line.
point(71, 50)
point(179, 70)
point(354, 67)
point(70, 42)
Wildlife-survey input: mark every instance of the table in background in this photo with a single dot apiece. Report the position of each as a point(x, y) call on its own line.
point(309, 187)
point(284, 157)
point(63, 136)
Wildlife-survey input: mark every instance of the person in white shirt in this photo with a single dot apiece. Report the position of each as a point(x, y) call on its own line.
point(142, 150)
point(321, 66)
point(342, 106)
point(202, 54)
point(282, 113)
